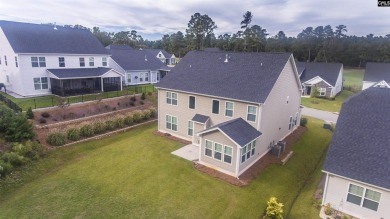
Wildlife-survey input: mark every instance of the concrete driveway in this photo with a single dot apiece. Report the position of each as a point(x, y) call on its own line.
point(189, 152)
point(320, 114)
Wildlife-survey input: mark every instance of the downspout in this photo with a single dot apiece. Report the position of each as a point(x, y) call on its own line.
point(325, 189)
point(237, 161)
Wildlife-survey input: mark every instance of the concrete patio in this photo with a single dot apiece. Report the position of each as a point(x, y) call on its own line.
point(189, 152)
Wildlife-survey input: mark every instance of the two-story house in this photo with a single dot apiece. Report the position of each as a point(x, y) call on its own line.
point(40, 59)
point(137, 66)
point(376, 74)
point(163, 56)
point(235, 107)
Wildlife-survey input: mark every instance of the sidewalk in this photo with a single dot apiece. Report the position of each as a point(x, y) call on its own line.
point(320, 114)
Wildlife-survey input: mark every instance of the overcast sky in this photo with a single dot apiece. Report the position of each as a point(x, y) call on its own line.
point(153, 18)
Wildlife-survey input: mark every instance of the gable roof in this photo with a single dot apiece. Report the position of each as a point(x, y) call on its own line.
point(43, 38)
point(246, 76)
point(327, 71)
point(79, 72)
point(200, 118)
point(236, 129)
point(376, 72)
point(360, 147)
point(156, 51)
point(132, 59)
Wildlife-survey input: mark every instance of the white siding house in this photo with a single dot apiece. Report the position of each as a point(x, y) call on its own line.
point(376, 74)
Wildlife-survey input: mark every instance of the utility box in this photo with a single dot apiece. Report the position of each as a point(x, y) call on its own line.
point(282, 145)
point(276, 150)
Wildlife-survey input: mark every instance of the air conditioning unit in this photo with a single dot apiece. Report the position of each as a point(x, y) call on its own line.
point(276, 150)
point(282, 145)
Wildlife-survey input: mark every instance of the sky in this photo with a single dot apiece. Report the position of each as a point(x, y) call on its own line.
point(154, 18)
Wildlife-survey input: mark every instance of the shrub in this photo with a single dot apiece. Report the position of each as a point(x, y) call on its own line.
point(132, 103)
point(137, 117)
point(5, 168)
point(143, 96)
point(328, 209)
point(21, 149)
point(119, 122)
point(150, 93)
point(73, 134)
point(42, 120)
point(29, 113)
point(133, 98)
point(56, 138)
point(129, 120)
point(110, 125)
point(87, 130)
point(153, 112)
point(146, 114)
point(45, 115)
point(13, 158)
point(19, 129)
point(274, 209)
point(303, 122)
point(37, 150)
point(99, 127)
point(142, 102)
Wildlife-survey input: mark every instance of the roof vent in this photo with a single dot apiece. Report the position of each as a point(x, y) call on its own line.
point(227, 58)
point(146, 59)
point(55, 26)
point(261, 64)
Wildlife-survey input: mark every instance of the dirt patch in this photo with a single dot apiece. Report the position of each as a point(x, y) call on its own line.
point(256, 169)
point(166, 135)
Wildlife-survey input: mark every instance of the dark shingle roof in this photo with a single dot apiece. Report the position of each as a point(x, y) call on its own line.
point(327, 71)
point(238, 130)
point(212, 49)
point(377, 72)
point(200, 118)
point(360, 147)
point(246, 76)
point(131, 59)
point(156, 51)
point(79, 72)
point(42, 38)
point(125, 47)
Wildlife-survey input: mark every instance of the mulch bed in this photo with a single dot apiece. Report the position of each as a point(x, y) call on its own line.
point(256, 169)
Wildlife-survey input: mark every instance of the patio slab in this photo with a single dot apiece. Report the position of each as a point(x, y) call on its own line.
point(189, 152)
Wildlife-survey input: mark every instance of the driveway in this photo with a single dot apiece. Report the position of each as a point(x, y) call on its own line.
point(320, 114)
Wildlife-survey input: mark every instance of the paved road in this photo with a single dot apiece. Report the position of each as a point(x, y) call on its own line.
point(320, 114)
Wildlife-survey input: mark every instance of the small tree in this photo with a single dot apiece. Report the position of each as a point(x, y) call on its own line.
point(274, 209)
point(29, 113)
point(315, 92)
point(143, 96)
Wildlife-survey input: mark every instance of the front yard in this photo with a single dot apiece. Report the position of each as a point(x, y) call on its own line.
point(133, 174)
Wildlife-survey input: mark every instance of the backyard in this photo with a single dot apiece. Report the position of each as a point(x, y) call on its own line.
point(133, 174)
point(353, 83)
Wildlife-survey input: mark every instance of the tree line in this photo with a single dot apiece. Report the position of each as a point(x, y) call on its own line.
point(313, 44)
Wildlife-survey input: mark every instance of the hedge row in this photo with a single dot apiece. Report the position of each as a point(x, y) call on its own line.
point(89, 129)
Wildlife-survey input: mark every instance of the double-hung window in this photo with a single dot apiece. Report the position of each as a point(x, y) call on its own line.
point(141, 77)
point(229, 109)
point(291, 123)
point(190, 128)
point(252, 113)
point(215, 107)
point(41, 83)
point(248, 151)
point(209, 149)
point(171, 122)
point(227, 154)
point(38, 61)
point(82, 61)
point(5, 60)
point(61, 61)
point(146, 76)
point(171, 98)
point(91, 61)
point(16, 62)
point(218, 151)
point(370, 199)
point(191, 100)
point(104, 61)
point(322, 91)
point(129, 78)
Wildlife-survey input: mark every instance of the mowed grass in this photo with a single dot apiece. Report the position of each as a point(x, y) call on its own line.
point(134, 175)
point(326, 104)
point(353, 78)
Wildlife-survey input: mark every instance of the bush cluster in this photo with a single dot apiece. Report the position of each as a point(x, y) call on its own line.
point(56, 138)
point(16, 127)
point(303, 122)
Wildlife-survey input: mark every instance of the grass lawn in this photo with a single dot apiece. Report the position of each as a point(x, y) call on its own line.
point(325, 104)
point(353, 78)
point(134, 175)
point(52, 100)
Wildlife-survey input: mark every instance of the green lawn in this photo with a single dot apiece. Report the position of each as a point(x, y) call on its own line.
point(325, 104)
point(134, 175)
point(353, 78)
point(52, 100)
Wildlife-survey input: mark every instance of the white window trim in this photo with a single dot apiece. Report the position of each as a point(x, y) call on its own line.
point(91, 60)
point(104, 60)
point(177, 98)
point(250, 151)
point(188, 128)
point(59, 62)
point(226, 102)
point(247, 113)
point(212, 149)
point(222, 153)
point(128, 76)
point(190, 102)
point(38, 62)
point(363, 196)
point(40, 83)
point(80, 61)
point(219, 106)
point(147, 76)
point(177, 123)
point(322, 90)
point(16, 62)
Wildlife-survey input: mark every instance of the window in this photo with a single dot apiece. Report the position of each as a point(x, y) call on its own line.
point(172, 98)
point(371, 198)
point(16, 61)
point(104, 61)
point(191, 104)
point(217, 151)
point(5, 60)
point(82, 62)
point(129, 78)
point(61, 61)
point(7, 78)
point(91, 61)
point(171, 122)
point(146, 76)
point(248, 151)
point(227, 154)
point(252, 113)
point(159, 55)
point(190, 128)
point(215, 109)
point(41, 83)
point(158, 76)
point(296, 119)
point(291, 124)
point(229, 109)
point(322, 91)
point(38, 61)
point(141, 77)
point(209, 148)
point(0, 60)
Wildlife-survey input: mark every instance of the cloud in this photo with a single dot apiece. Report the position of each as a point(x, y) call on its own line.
point(153, 18)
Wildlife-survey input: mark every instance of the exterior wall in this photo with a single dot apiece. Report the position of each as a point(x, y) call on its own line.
point(329, 89)
point(367, 84)
point(218, 137)
point(339, 83)
point(203, 105)
point(135, 76)
point(198, 128)
point(336, 191)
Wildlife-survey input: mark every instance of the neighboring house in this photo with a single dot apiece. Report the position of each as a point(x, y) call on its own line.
point(376, 74)
point(235, 107)
point(164, 56)
point(40, 59)
point(137, 66)
point(327, 78)
point(357, 165)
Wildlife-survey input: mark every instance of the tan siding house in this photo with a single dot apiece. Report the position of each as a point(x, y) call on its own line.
point(234, 106)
